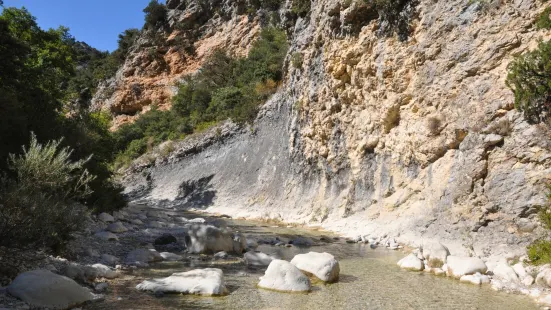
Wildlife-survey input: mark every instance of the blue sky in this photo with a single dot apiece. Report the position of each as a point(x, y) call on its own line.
point(96, 22)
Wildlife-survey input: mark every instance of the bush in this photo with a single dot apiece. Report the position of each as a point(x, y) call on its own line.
point(301, 7)
point(543, 21)
point(39, 204)
point(529, 77)
point(296, 60)
point(539, 252)
point(155, 15)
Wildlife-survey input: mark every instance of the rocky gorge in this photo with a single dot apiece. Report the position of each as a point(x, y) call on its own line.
point(387, 144)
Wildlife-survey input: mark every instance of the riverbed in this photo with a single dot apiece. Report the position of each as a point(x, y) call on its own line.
point(370, 279)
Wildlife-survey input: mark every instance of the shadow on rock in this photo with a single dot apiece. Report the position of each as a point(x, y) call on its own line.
point(197, 194)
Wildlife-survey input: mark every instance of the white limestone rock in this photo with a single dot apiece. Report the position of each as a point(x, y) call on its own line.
point(505, 272)
point(258, 259)
point(44, 289)
point(104, 271)
point(322, 265)
point(207, 239)
point(435, 253)
point(411, 262)
point(476, 279)
point(284, 276)
point(460, 266)
point(207, 282)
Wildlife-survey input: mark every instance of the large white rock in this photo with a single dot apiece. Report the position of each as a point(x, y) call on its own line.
point(505, 272)
point(284, 276)
point(475, 279)
point(104, 217)
point(257, 259)
point(209, 239)
point(520, 270)
point(460, 266)
point(209, 281)
point(107, 235)
point(44, 289)
point(117, 227)
point(322, 265)
point(544, 277)
point(411, 262)
point(105, 272)
point(435, 253)
point(143, 256)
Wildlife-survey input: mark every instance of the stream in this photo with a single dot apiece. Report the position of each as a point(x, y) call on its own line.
point(369, 279)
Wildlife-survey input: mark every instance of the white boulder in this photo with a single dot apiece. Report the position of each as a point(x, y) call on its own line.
point(117, 227)
point(104, 271)
point(544, 277)
point(435, 253)
point(322, 265)
point(475, 279)
point(284, 276)
point(171, 257)
point(460, 266)
point(44, 289)
point(528, 280)
point(505, 272)
point(105, 217)
point(143, 256)
point(411, 262)
point(208, 239)
point(107, 236)
point(257, 259)
point(209, 282)
point(520, 270)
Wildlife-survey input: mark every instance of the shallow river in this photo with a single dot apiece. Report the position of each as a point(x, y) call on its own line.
point(370, 279)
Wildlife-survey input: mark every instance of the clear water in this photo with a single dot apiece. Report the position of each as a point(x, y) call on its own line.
point(370, 279)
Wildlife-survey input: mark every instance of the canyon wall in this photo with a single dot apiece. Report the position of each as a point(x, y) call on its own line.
point(412, 134)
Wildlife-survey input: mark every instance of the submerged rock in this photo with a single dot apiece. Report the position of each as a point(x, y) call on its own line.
point(209, 282)
point(284, 276)
point(411, 262)
point(44, 289)
point(139, 256)
point(460, 266)
point(257, 259)
point(322, 265)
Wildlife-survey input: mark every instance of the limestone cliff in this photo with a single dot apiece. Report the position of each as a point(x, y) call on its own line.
point(413, 136)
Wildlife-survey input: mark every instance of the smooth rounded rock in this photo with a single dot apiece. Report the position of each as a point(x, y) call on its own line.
point(504, 271)
point(207, 239)
point(257, 259)
point(435, 253)
point(411, 262)
point(322, 265)
point(285, 277)
point(460, 266)
point(107, 236)
point(42, 288)
point(208, 282)
point(104, 271)
point(105, 217)
point(476, 279)
point(171, 257)
point(117, 227)
point(109, 259)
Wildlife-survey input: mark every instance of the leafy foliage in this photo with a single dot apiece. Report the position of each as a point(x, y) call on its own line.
point(544, 20)
point(296, 60)
point(301, 7)
point(155, 15)
point(529, 76)
point(539, 252)
point(225, 87)
point(38, 208)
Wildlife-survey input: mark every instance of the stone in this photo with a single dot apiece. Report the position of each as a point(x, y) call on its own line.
point(411, 262)
point(528, 280)
point(138, 256)
point(221, 255)
point(322, 265)
point(105, 272)
point(302, 242)
point(460, 266)
point(524, 225)
point(505, 272)
point(545, 300)
point(165, 239)
point(106, 235)
point(171, 257)
point(476, 279)
point(136, 222)
point(519, 270)
point(105, 217)
point(257, 259)
point(80, 273)
point(206, 239)
point(207, 282)
point(91, 252)
point(109, 259)
point(544, 277)
point(155, 224)
point(44, 289)
point(198, 220)
point(251, 244)
point(117, 227)
point(435, 253)
point(101, 287)
point(284, 276)
point(239, 243)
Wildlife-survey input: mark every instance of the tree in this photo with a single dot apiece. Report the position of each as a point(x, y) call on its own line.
point(155, 15)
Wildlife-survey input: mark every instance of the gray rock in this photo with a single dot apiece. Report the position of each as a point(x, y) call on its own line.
point(117, 227)
point(284, 276)
point(138, 256)
point(42, 288)
point(104, 217)
point(221, 255)
point(171, 256)
point(107, 235)
point(109, 259)
point(208, 282)
point(257, 259)
point(476, 279)
point(101, 287)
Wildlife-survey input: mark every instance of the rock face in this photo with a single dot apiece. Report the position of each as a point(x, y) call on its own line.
point(257, 259)
point(44, 289)
point(209, 239)
point(208, 282)
point(371, 134)
point(284, 276)
point(322, 265)
point(411, 262)
point(460, 266)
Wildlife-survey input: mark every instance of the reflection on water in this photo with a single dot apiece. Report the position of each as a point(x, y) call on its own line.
point(370, 279)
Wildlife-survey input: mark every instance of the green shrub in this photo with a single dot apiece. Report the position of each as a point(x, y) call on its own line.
point(539, 252)
point(543, 21)
point(529, 77)
point(39, 204)
point(296, 60)
point(301, 7)
point(155, 15)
